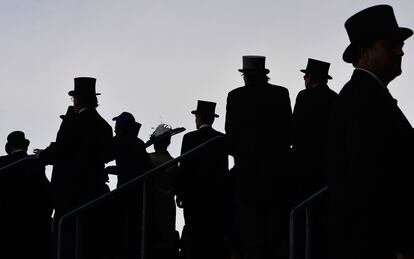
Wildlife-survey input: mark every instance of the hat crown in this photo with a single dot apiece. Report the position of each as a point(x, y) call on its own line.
point(205, 108)
point(16, 136)
point(125, 118)
point(318, 67)
point(373, 21)
point(84, 86)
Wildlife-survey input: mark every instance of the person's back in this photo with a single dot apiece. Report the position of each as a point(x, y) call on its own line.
point(201, 187)
point(25, 204)
point(311, 117)
point(258, 127)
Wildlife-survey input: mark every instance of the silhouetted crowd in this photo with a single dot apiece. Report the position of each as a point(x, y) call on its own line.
point(357, 142)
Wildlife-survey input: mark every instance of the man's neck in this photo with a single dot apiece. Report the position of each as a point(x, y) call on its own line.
point(374, 75)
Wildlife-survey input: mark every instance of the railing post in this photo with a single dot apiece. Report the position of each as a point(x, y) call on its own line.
point(292, 235)
point(144, 220)
point(308, 233)
point(78, 238)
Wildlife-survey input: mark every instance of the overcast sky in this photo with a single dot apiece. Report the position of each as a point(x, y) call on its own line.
point(156, 58)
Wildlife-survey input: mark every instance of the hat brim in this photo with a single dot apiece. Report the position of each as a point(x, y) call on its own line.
point(161, 137)
point(306, 71)
point(197, 112)
point(265, 71)
point(73, 93)
point(401, 33)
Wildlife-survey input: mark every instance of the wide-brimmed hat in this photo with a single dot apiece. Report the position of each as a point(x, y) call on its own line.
point(205, 108)
point(162, 132)
point(372, 23)
point(16, 138)
point(317, 67)
point(84, 86)
point(253, 63)
point(126, 119)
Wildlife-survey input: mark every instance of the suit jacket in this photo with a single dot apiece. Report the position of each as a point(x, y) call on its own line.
point(369, 154)
point(258, 125)
point(202, 179)
point(83, 146)
point(311, 116)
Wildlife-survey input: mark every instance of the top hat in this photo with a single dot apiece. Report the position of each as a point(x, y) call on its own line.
point(126, 119)
point(370, 24)
point(84, 86)
point(254, 63)
point(205, 108)
point(317, 67)
point(16, 138)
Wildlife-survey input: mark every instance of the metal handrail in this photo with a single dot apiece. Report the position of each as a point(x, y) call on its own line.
point(100, 200)
point(29, 157)
point(303, 205)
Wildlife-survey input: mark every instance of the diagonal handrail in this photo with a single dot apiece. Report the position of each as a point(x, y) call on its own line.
point(292, 226)
point(102, 199)
point(8, 166)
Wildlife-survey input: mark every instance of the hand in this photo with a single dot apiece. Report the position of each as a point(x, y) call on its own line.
point(37, 152)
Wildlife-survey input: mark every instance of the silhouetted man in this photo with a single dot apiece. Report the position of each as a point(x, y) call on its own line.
point(258, 123)
point(311, 115)
point(371, 147)
point(83, 146)
point(202, 188)
point(25, 202)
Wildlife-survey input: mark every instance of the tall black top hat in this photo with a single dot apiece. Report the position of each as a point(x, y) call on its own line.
point(16, 138)
point(254, 63)
point(370, 24)
point(205, 108)
point(317, 67)
point(84, 86)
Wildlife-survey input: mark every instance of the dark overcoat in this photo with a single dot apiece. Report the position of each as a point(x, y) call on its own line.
point(370, 161)
point(311, 115)
point(258, 126)
point(83, 146)
point(202, 188)
point(26, 208)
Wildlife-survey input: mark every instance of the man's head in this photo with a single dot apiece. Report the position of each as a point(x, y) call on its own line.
point(316, 71)
point(254, 71)
point(84, 93)
point(205, 113)
point(125, 125)
point(16, 141)
point(376, 41)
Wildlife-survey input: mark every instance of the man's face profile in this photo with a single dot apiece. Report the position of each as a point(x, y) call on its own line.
point(384, 58)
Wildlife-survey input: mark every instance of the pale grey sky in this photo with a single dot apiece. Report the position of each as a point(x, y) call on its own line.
point(155, 58)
